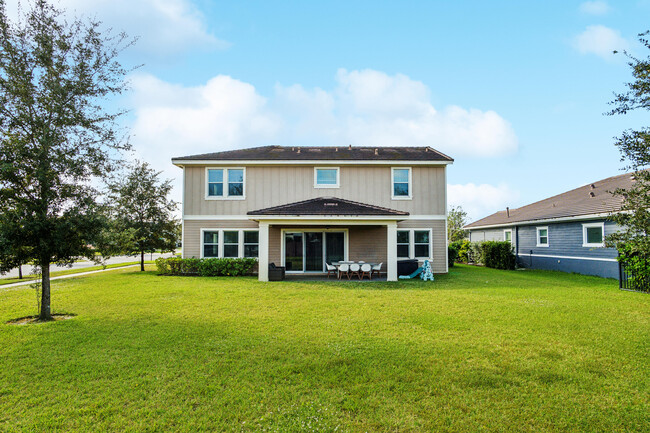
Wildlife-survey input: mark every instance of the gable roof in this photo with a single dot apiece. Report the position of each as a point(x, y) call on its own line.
point(328, 206)
point(322, 153)
point(591, 199)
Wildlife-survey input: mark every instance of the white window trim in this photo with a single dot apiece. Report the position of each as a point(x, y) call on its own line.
point(240, 247)
point(412, 243)
point(511, 239)
point(225, 195)
point(585, 226)
point(392, 184)
point(548, 237)
point(338, 177)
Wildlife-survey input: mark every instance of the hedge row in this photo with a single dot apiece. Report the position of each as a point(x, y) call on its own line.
point(212, 267)
point(492, 254)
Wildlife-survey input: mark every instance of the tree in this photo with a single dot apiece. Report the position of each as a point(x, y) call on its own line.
point(632, 240)
point(56, 138)
point(141, 206)
point(456, 220)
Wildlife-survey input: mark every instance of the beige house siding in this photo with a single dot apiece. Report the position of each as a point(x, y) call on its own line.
point(367, 243)
point(268, 186)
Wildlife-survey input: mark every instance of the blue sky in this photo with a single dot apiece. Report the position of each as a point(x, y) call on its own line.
point(514, 91)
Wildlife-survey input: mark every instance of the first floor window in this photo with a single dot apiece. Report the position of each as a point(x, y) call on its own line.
point(421, 242)
point(413, 244)
point(403, 243)
point(507, 235)
point(593, 234)
point(251, 243)
point(231, 244)
point(211, 244)
point(542, 236)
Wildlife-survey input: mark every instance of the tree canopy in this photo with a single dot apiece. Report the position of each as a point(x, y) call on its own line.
point(56, 136)
point(141, 206)
point(632, 240)
point(456, 220)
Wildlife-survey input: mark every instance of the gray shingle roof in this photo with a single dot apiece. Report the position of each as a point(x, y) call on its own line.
point(327, 153)
point(328, 206)
point(594, 198)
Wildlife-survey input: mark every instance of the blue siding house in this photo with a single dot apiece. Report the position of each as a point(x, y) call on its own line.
point(565, 232)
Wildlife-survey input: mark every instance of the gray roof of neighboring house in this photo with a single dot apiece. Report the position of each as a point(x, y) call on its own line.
point(322, 153)
point(594, 198)
point(328, 206)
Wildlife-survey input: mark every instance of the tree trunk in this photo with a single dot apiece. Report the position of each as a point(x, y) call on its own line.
point(45, 313)
point(141, 261)
point(20, 272)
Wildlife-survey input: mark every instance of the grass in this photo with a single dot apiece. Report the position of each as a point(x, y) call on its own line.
point(31, 277)
point(477, 350)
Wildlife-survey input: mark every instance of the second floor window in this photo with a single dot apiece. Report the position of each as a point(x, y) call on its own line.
point(225, 182)
point(326, 177)
point(401, 178)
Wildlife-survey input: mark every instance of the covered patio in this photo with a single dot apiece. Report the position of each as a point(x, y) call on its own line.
point(303, 237)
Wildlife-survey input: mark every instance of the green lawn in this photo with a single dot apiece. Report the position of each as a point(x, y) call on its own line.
point(477, 350)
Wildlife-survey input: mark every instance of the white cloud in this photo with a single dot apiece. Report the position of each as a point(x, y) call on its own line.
point(594, 7)
point(173, 120)
point(601, 41)
point(165, 27)
point(365, 108)
point(481, 200)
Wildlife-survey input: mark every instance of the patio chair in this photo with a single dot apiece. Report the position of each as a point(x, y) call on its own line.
point(376, 269)
point(344, 269)
point(354, 269)
point(366, 270)
point(331, 269)
point(276, 273)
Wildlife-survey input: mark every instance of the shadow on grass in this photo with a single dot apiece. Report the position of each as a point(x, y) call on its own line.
point(26, 320)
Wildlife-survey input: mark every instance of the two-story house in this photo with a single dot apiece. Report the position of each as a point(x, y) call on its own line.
point(304, 207)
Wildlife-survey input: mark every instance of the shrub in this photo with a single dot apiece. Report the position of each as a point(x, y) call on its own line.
point(463, 248)
point(498, 255)
point(209, 267)
point(191, 266)
point(452, 253)
point(475, 253)
point(162, 266)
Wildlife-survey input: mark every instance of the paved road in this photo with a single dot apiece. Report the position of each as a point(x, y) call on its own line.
point(87, 263)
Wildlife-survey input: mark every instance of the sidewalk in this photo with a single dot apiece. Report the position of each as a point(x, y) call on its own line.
point(80, 274)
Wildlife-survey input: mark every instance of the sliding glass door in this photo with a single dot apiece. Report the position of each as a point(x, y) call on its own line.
point(308, 251)
point(313, 251)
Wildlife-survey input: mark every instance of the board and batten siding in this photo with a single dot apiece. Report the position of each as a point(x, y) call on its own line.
point(268, 186)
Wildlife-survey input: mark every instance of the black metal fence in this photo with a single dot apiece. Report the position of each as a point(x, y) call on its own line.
point(626, 282)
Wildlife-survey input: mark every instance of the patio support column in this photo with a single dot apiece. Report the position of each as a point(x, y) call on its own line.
point(263, 260)
point(391, 266)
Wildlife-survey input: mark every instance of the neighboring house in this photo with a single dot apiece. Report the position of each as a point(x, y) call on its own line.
point(565, 232)
point(302, 207)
